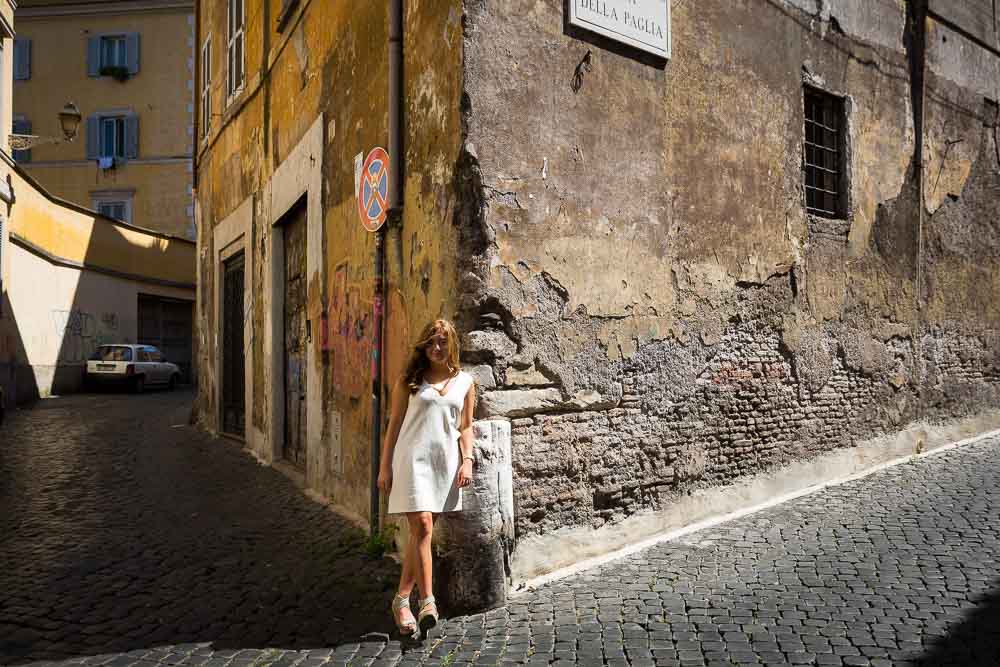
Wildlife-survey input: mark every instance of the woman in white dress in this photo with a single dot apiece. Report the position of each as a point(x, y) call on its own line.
point(427, 458)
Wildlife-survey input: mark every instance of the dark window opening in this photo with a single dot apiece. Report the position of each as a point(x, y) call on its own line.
point(823, 161)
point(113, 51)
point(112, 353)
point(113, 136)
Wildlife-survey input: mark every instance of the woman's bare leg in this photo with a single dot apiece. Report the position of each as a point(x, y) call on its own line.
point(419, 550)
point(408, 577)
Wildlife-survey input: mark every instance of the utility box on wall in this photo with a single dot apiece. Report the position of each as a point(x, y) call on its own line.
point(641, 24)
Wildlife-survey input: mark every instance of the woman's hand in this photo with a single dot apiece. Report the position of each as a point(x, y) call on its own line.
point(385, 478)
point(464, 477)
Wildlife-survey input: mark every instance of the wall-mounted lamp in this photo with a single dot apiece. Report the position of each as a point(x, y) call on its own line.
point(69, 121)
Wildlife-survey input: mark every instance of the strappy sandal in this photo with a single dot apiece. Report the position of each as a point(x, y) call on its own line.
point(428, 616)
point(406, 628)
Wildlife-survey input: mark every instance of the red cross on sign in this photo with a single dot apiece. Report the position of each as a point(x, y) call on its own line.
point(373, 190)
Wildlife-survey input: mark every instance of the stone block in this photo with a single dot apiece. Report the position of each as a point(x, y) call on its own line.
point(530, 376)
point(519, 402)
point(483, 375)
point(591, 400)
point(473, 546)
point(486, 345)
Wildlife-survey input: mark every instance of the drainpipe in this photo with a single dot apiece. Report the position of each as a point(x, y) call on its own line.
point(394, 218)
point(918, 68)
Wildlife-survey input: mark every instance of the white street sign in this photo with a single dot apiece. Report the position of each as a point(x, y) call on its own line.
point(643, 24)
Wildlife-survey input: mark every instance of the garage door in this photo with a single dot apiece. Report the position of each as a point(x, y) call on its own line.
point(168, 324)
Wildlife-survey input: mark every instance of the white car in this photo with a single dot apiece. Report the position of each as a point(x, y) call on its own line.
point(138, 366)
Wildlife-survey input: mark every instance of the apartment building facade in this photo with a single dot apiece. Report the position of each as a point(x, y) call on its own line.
point(128, 66)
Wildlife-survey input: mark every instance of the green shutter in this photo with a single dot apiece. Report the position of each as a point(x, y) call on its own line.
point(131, 136)
point(22, 59)
point(132, 52)
point(93, 137)
point(94, 56)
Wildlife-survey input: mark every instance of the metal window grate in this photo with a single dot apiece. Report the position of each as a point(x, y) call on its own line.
point(823, 159)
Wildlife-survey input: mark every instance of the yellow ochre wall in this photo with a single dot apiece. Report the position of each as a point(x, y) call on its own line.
point(95, 241)
point(329, 65)
point(161, 93)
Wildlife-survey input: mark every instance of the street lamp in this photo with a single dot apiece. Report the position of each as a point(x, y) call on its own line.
point(69, 121)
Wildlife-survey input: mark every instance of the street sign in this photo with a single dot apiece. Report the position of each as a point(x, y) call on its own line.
point(643, 24)
point(373, 190)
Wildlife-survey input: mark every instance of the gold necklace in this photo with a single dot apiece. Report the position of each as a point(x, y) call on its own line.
point(444, 388)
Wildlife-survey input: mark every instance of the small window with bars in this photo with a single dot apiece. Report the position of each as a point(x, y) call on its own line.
point(114, 209)
point(823, 164)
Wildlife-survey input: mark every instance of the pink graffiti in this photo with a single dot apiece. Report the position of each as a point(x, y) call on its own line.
point(346, 335)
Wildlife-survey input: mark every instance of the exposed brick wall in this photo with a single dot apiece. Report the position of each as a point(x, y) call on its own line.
point(746, 412)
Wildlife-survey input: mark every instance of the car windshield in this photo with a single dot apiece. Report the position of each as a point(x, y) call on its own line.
point(112, 353)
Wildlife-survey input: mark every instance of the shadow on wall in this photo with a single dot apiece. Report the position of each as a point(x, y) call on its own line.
point(973, 643)
point(16, 379)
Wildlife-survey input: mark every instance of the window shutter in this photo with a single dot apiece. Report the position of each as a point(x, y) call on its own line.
point(22, 126)
point(131, 136)
point(22, 59)
point(93, 137)
point(132, 52)
point(94, 56)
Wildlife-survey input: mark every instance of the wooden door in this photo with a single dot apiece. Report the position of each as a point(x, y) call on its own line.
point(233, 350)
point(296, 335)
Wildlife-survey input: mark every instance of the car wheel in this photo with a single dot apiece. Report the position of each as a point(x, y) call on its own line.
point(173, 383)
point(139, 384)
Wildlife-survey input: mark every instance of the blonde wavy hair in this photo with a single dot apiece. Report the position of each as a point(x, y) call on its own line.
point(419, 363)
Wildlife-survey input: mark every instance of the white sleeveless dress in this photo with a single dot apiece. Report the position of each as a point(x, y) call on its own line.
point(426, 458)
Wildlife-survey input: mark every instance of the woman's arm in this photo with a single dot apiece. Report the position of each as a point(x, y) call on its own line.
point(466, 438)
point(397, 410)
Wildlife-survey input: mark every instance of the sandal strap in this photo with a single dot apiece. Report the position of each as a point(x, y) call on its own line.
point(400, 602)
point(429, 600)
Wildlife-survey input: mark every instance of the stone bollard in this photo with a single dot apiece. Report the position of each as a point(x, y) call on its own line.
point(473, 547)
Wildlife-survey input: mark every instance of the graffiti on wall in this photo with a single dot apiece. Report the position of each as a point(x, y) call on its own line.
point(346, 335)
point(81, 332)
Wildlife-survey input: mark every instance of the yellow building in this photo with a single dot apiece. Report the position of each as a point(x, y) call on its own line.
point(72, 279)
point(128, 66)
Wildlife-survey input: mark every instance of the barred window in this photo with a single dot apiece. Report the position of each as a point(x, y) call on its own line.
point(823, 163)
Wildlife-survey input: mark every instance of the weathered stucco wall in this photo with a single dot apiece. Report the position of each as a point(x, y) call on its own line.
point(658, 311)
point(623, 240)
point(329, 64)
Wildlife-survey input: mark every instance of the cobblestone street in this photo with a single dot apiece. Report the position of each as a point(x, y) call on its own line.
point(131, 538)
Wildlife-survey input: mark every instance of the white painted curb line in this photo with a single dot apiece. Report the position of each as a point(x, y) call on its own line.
point(531, 584)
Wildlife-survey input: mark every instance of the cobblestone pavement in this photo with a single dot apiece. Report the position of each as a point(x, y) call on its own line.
point(123, 529)
point(166, 547)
